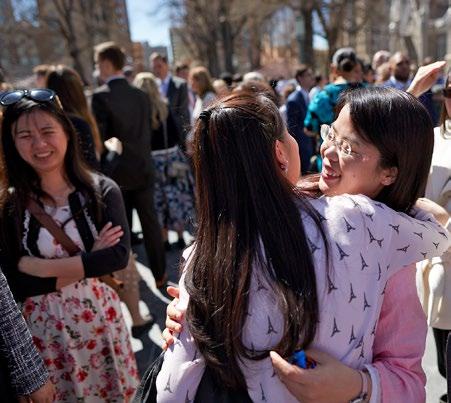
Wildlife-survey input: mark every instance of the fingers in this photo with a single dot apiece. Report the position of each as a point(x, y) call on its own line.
point(174, 292)
point(173, 312)
point(319, 356)
point(107, 226)
point(286, 370)
point(168, 339)
point(172, 325)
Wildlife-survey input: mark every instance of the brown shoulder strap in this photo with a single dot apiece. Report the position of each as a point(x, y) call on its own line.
point(49, 223)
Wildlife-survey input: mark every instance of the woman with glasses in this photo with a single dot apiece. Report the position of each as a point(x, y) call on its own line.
point(238, 299)
point(75, 319)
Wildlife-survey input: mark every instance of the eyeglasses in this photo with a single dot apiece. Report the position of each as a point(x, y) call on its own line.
point(447, 92)
point(343, 146)
point(37, 94)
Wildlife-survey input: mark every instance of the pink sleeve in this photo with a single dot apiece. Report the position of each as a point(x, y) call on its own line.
point(400, 340)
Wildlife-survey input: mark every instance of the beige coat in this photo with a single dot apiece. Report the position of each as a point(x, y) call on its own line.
point(434, 276)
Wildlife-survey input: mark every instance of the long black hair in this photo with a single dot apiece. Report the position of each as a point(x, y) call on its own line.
point(248, 219)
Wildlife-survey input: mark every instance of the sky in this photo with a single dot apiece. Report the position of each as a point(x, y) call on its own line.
point(146, 24)
point(150, 23)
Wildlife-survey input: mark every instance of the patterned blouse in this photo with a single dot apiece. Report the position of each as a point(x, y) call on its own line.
point(368, 243)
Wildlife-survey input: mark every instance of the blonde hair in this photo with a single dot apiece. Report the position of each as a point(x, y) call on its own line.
point(203, 78)
point(147, 82)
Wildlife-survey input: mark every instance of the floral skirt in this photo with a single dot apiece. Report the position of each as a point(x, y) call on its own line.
point(174, 189)
point(82, 337)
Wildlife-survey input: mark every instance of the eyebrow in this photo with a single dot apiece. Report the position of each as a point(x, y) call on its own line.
point(351, 140)
point(25, 130)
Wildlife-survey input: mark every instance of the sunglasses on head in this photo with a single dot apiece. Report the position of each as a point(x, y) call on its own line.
point(37, 94)
point(447, 92)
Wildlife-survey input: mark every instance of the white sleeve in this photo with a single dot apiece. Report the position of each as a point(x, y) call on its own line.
point(397, 238)
point(183, 366)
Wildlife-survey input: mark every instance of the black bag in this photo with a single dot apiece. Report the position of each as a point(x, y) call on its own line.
point(209, 389)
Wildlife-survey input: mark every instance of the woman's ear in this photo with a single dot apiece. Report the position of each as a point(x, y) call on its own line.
point(280, 152)
point(389, 176)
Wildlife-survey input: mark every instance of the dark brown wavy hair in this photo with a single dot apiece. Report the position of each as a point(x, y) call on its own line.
point(248, 219)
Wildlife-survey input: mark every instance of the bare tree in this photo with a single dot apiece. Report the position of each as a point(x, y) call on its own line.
point(64, 22)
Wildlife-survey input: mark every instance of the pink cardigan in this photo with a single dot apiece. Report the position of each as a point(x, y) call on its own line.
point(400, 341)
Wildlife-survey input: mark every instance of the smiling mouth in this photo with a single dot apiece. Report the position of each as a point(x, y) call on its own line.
point(43, 155)
point(327, 174)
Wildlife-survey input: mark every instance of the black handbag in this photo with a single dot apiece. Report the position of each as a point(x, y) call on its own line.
point(209, 389)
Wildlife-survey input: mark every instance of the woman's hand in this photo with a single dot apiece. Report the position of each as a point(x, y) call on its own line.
point(173, 317)
point(425, 78)
point(108, 236)
point(329, 378)
point(45, 394)
point(439, 213)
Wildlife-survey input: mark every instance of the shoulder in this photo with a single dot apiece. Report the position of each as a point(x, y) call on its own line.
point(79, 123)
point(178, 82)
point(294, 97)
point(104, 184)
point(101, 90)
point(209, 97)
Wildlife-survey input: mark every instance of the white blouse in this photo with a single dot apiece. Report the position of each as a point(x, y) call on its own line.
point(368, 243)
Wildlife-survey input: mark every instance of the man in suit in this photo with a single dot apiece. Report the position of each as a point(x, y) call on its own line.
point(124, 112)
point(175, 89)
point(297, 104)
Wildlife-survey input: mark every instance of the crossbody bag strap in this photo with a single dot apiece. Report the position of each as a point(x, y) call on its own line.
point(49, 223)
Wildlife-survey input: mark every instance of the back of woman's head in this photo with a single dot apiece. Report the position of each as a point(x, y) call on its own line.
point(147, 82)
point(401, 129)
point(248, 220)
point(344, 60)
point(19, 174)
point(67, 84)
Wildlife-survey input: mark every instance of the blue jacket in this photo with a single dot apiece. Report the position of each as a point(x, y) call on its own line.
point(296, 111)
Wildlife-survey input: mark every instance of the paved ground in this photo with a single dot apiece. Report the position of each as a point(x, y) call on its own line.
point(148, 347)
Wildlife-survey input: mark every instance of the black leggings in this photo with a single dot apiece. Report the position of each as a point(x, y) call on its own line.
point(441, 337)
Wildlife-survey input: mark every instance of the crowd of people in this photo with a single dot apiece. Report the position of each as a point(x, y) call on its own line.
point(305, 198)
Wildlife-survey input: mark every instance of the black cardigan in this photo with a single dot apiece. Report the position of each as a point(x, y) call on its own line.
point(95, 263)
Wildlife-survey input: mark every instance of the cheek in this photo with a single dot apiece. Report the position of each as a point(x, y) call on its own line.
point(24, 150)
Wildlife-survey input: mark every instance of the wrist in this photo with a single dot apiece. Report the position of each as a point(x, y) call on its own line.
point(364, 394)
point(355, 385)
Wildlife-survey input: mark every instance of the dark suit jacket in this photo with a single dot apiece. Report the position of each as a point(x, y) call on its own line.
point(179, 105)
point(123, 111)
point(296, 111)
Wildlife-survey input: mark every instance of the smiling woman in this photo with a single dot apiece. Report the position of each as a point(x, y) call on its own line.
point(75, 319)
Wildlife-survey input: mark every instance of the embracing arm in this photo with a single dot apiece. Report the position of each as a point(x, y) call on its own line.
point(399, 342)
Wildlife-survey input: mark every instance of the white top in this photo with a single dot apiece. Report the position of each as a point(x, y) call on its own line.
point(434, 281)
point(202, 104)
point(368, 243)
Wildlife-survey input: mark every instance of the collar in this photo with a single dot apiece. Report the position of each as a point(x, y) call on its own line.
point(399, 84)
point(115, 77)
point(166, 80)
